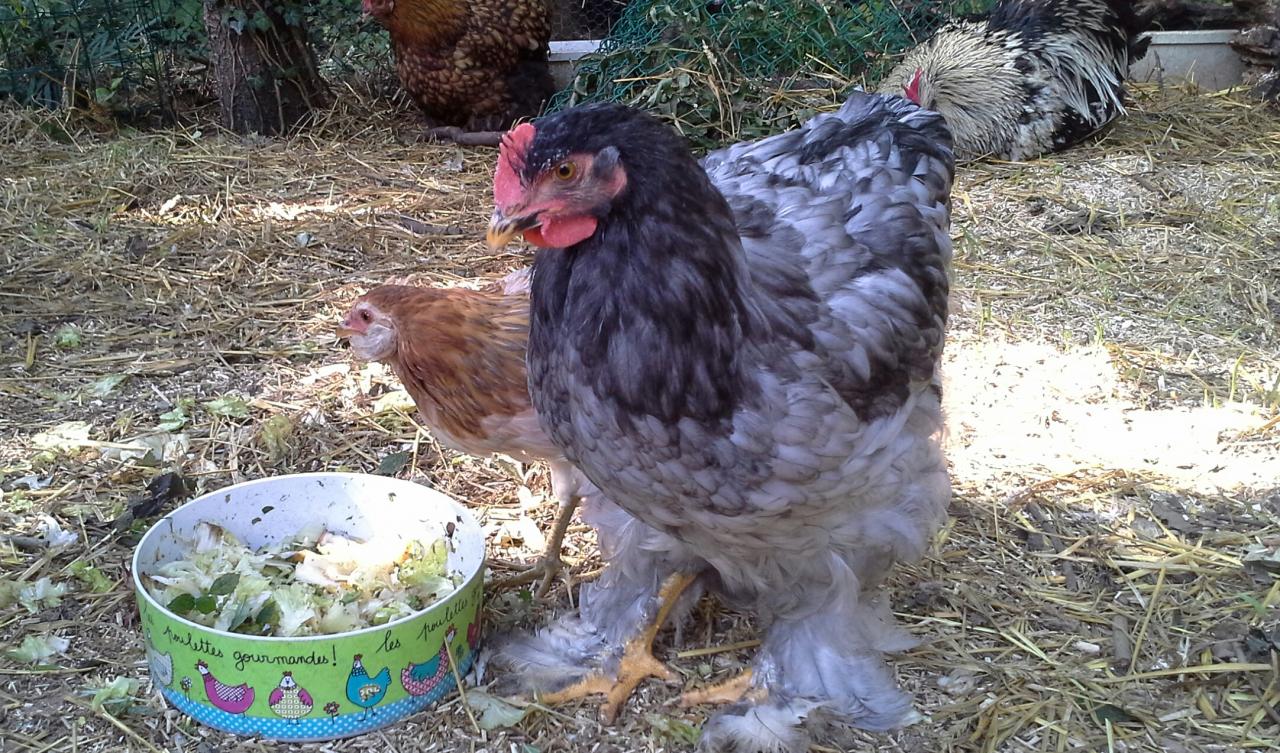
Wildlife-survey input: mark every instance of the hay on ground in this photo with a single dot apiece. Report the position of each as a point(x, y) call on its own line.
point(1113, 381)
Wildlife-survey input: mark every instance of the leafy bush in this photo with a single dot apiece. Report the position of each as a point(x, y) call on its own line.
point(727, 71)
point(105, 48)
point(51, 43)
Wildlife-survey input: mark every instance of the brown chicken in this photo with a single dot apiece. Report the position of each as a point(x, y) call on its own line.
point(460, 354)
point(473, 65)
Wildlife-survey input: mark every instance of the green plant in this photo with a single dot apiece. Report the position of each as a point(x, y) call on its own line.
point(116, 52)
point(751, 68)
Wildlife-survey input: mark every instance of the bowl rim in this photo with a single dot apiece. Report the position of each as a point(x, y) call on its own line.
point(141, 589)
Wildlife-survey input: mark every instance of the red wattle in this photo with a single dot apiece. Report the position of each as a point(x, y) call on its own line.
point(534, 236)
point(562, 232)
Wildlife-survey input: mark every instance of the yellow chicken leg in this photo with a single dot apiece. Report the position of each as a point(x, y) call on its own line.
point(729, 691)
point(549, 565)
point(637, 661)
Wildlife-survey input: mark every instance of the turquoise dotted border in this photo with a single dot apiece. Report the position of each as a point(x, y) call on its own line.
point(313, 728)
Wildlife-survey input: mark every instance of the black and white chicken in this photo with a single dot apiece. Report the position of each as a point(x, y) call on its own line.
point(1030, 78)
point(743, 355)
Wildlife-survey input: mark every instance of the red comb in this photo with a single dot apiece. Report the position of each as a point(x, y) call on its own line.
point(912, 90)
point(506, 180)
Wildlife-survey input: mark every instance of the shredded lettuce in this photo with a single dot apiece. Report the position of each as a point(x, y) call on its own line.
point(35, 649)
point(317, 583)
point(42, 594)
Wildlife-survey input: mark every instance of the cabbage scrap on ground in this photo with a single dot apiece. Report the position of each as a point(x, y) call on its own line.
point(316, 583)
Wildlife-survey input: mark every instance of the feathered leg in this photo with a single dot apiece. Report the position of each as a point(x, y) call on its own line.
point(819, 669)
point(636, 664)
point(607, 646)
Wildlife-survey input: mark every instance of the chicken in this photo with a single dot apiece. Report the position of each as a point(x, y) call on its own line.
point(1259, 48)
point(365, 691)
point(470, 65)
point(460, 354)
point(289, 699)
point(425, 677)
point(743, 356)
point(233, 699)
point(1032, 77)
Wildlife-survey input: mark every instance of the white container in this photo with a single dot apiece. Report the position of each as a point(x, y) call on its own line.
point(1201, 57)
point(563, 58)
point(235, 682)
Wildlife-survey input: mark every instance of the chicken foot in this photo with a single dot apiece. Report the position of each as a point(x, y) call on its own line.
point(637, 663)
point(549, 566)
point(729, 691)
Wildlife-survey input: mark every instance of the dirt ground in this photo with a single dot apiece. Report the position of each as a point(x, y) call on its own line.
point(1108, 580)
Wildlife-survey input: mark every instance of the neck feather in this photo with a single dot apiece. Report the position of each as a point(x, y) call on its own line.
point(656, 304)
point(462, 359)
point(430, 22)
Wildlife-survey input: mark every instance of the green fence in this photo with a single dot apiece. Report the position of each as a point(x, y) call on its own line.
point(719, 69)
point(723, 70)
point(150, 56)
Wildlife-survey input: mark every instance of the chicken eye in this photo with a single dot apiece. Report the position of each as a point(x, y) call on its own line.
point(364, 316)
point(566, 170)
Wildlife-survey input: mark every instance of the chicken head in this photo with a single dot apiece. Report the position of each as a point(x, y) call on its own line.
point(553, 199)
point(379, 9)
point(371, 331)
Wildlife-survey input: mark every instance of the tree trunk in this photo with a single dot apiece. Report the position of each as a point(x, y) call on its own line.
point(267, 76)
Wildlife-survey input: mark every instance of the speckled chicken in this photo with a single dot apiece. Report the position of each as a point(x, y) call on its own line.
point(460, 354)
point(1029, 78)
point(743, 356)
point(289, 699)
point(475, 65)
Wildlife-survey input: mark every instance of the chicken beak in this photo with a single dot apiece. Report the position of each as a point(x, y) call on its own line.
point(502, 228)
point(343, 331)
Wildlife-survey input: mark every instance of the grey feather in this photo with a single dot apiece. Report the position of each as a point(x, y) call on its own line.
point(800, 458)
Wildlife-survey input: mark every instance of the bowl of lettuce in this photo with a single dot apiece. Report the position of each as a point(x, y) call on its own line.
point(310, 606)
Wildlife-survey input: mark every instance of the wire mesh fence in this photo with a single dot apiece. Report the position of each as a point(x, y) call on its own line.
point(718, 69)
point(584, 19)
point(731, 69)
point(143, 56)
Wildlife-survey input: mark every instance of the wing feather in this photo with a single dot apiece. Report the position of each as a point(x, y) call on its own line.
point(845, 227)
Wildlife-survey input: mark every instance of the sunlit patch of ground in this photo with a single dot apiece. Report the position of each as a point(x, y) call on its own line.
point(1107, 580)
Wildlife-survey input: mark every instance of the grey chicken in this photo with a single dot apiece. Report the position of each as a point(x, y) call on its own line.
point(743, 356)
point(1030, 78)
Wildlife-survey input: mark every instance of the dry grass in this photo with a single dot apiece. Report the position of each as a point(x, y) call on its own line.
point(1113, 388)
